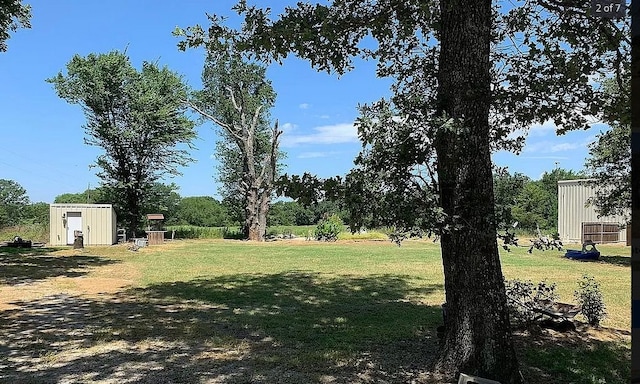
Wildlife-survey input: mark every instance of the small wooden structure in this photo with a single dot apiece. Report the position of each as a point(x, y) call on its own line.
point(155, 234)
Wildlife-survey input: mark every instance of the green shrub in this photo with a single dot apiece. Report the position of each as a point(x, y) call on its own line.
point(589, 296)
point(328, 228)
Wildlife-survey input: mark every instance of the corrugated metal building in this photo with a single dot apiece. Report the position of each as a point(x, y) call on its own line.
point(577, 223)
point(96, 221)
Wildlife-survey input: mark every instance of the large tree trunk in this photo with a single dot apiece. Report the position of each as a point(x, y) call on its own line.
point(252, 229)
point(256, 214)
point(478, 335)
point(132, 217)
point(265, 199)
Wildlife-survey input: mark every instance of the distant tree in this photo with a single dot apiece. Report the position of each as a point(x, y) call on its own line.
point(609, 165)
point(36, 213)
point(237, 96)
point(283, 213)
point(203, 211)
point(72, 198)
point(13, 200)
point(533, 208)
point(609, 161)
point(507, 188)
point(13, 15)
point(89, 196)
point(295, 213)
point(536, 203)
point(164, 199)
point(136, 117)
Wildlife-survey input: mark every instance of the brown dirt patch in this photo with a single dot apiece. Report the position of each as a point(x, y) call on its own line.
point(65, 273)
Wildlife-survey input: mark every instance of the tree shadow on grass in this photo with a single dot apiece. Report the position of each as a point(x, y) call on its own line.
point(622, 261)
point(292, 327)
point(576, 357)
point(285, 328)
point(19, 266)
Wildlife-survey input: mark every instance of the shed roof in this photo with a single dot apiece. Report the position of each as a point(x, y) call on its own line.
point(76, 205)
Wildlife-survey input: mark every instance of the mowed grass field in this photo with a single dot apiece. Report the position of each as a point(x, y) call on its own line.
point(222, 311)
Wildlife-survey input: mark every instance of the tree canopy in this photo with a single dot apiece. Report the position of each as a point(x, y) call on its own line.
point(237, 97)
point(89, 196)
point(13, 15)
point(609, 166)
point(609, 161)
point(202, 211)
point(13, 199)
point(467, 75)
point(137, 118)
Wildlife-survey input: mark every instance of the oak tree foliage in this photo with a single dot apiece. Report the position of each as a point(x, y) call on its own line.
point(13, 15)
point(609, 161)
point(468, 76)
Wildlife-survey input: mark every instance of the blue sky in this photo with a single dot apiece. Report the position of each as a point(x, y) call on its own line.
point(41, 136)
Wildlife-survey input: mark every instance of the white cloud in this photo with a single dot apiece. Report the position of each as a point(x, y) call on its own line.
point(315, 155)
point(542, 129)
point(304, 106)
point(546, 157)
point(324, 116)
point(326, 134)
point(562, 147)
point(548, 146)
point(288, 127)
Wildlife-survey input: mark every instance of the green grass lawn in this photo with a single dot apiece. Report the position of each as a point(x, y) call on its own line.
point(417, 262)
point(294, 312)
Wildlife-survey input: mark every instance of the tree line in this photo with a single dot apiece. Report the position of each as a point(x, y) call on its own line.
point(519, 199)
point(205, 211)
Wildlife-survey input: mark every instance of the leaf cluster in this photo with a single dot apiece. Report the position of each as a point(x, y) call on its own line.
point(13, 15)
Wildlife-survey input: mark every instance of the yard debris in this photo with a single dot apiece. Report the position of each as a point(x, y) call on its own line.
point(18, 242)
point(545, 243)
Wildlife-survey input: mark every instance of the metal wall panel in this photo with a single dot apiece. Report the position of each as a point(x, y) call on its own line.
point(98, 223)
point(572, 213)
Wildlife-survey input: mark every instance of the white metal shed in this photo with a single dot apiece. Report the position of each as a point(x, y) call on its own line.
point(96, 221)
point(577, 222)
